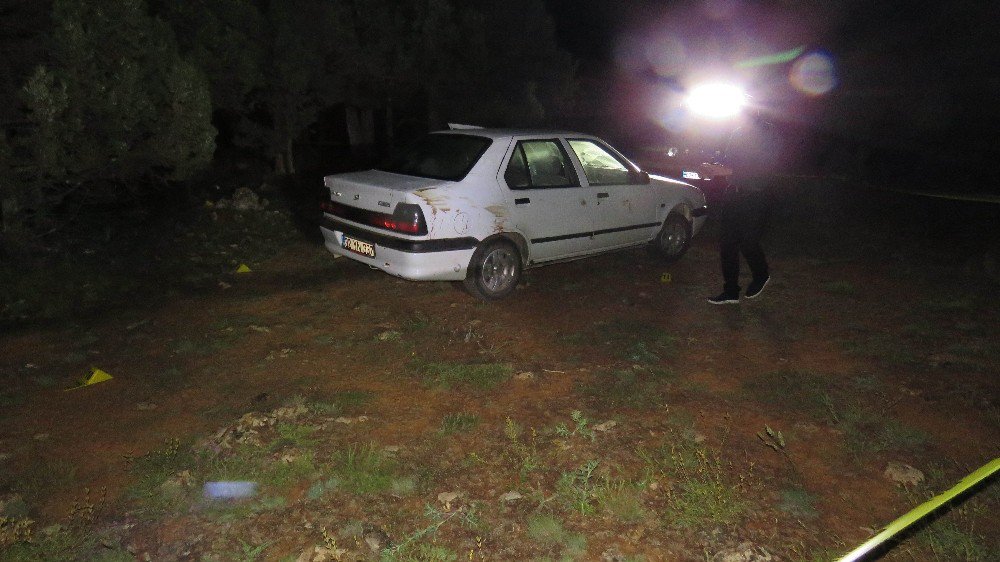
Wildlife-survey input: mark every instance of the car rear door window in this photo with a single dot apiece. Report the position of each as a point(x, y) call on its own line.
point(539, 164)
point(600, 166)
point(438, 156)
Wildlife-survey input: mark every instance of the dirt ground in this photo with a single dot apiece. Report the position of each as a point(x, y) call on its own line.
point(603, 412)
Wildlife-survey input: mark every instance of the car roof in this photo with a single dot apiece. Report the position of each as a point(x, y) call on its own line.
point(505, 133)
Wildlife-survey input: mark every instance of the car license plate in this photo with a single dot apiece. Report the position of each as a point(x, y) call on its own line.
point(358, 247)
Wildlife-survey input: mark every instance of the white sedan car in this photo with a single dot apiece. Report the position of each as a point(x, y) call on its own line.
point(481, 205)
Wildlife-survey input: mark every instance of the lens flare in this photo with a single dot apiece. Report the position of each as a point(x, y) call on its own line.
point(813, 74)
point(666, 54)
point(230, 490)
point(717, 101)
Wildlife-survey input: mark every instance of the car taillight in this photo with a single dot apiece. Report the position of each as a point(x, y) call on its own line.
point(406, 218)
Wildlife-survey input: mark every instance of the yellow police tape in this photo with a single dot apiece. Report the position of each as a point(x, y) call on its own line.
point(923, 510)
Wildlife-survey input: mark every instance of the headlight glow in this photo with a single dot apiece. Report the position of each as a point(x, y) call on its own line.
point(717, 101)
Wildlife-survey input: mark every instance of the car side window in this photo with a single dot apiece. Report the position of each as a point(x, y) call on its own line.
point(600, 166)
point(539, 164)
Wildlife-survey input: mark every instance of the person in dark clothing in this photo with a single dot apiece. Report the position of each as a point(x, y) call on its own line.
point(746, 170)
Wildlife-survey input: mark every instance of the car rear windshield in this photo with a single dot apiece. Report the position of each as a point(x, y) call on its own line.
point(438, 156)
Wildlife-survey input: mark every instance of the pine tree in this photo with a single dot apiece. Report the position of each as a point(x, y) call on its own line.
point(113, 106)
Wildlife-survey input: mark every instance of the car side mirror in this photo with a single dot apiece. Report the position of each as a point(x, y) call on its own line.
point(638, 177)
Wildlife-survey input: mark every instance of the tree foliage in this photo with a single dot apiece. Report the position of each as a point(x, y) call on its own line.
point(113, 105)
point(125, 92)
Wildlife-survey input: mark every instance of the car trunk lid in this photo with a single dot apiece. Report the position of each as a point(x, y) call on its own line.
point(375, 190)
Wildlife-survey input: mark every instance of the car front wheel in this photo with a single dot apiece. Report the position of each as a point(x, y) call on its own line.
point(494, 271)
point(673, 239)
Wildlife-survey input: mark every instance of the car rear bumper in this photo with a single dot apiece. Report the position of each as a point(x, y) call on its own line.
point(416, 260)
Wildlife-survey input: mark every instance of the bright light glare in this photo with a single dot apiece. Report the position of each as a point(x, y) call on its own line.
point(814, 74)
point(717, 101)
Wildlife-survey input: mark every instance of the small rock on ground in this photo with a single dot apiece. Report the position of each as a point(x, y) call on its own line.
point(903, 474)
point(744, 552)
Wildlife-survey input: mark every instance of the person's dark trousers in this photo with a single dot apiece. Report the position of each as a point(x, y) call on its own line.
point(743, 221)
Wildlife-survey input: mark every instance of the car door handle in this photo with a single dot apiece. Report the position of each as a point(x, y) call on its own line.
point(522, 201)
point(602, 195)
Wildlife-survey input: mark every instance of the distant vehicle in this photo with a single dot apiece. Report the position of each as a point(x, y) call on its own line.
point(687, 163)
point(481, 205)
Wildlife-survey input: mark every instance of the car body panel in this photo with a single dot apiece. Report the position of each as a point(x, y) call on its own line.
point(623, 212)
point(555, 224)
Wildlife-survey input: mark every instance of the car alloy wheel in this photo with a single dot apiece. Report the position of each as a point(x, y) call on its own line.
point(494, 271)
point(673, 239)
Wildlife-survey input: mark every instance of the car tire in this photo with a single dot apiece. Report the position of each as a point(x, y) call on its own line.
point(494, 271)
point(673, 239)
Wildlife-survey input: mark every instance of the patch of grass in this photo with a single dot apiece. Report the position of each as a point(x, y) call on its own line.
point(320, 488)
point(576, 338)
point(411, 545)
point(893, 350)
point(281, 474)
point(706, 491)
point(294, 435)
point(702, 502)
point(825, 554)
point(250, 552)
point(576, 488)
point(388, 336)
point(458, 422)
point(546, 529)
point(403, 486)
point(948, 541)
point(974, 353)
point(10, 399)
point(950, 304)
point(867, 431)
point(62, 543)
point(803, 391)
point(867, 383)
point(364, 469)
point(581, 427)
point(521, 453)
point(338, 403)
point(798, 503)
point(152, 471)
point(446, 375)
point(621, 499)
point(639, 352)
point(634, 341)
point(416, 321)
point(352, 399)
point(633, 387)
point(421, 552)
point(252, 463)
